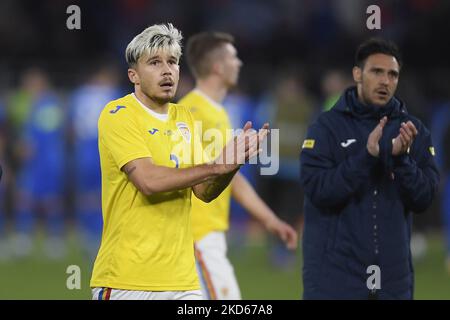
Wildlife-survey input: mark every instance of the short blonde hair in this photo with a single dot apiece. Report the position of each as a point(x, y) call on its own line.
point(157, 37)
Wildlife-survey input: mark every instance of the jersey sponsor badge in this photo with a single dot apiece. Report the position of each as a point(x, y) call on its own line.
point(308, 144)
point(184, 130)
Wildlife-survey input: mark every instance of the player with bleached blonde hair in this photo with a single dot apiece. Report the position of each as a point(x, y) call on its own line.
point(147, 249)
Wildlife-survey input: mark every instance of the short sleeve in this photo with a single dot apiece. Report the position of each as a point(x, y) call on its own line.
point(119, 133)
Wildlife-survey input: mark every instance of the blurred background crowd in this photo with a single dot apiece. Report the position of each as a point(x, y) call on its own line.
point(297, 56)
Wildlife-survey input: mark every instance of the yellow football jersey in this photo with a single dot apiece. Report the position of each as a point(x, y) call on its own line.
point(147, 241)
point(213, 216)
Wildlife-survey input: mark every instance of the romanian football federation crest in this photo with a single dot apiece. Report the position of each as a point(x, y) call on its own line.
point(184, 130)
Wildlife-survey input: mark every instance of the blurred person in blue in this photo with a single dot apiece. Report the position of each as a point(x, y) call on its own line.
point(365, 166)
point(289, 108)
point(85, 106)
point(14, 114)
point(40, 177)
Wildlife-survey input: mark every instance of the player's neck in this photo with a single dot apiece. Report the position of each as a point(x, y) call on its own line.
point(150, 103)
point(212, 89)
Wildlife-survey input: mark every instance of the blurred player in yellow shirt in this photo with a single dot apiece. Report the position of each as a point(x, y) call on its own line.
point(148, 155)
point(213, 61)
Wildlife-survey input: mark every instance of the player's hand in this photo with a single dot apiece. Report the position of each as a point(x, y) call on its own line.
point(242, 147)
point(252, 141)
point(405, 138)
point(374, 137)
point(284, 231)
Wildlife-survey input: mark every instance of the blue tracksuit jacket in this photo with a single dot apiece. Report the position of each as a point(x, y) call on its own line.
point(357, 207)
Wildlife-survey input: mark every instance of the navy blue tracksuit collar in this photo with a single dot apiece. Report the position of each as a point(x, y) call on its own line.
point(349, 103)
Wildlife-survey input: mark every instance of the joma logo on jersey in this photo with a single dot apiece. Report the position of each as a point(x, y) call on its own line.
point(117, 109)
point(347, 143)
point(153, 131)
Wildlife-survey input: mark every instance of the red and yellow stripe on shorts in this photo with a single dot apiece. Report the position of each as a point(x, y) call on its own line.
point(206, 277)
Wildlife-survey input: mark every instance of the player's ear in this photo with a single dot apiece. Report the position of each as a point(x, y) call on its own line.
point(217, 67)
point(133, 76)
point(357, 74)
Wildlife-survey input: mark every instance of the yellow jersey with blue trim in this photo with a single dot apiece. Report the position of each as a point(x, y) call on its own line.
point(147, 241)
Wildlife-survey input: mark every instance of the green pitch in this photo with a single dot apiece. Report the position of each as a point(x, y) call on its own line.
point(38, 278)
